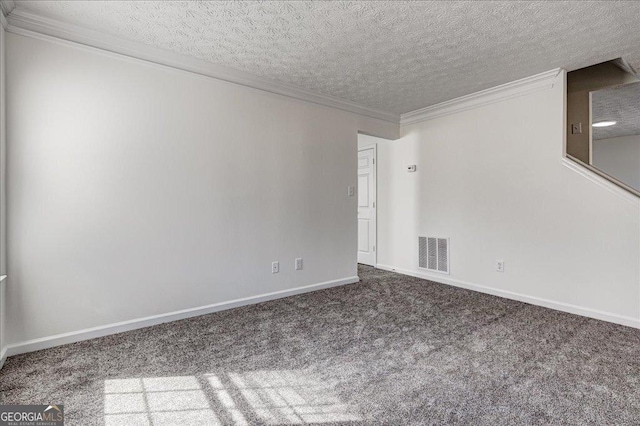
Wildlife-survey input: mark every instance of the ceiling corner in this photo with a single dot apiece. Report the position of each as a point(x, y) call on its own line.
point(7, 6)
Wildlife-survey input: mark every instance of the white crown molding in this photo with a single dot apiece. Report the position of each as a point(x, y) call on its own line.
point(6, 7)
point(29, 24)
point(533, 300)
point(503, 92)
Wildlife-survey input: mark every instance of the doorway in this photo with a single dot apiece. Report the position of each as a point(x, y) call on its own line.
point(367, 185)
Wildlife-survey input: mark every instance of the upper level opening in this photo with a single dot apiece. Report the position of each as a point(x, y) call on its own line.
point(603, 122)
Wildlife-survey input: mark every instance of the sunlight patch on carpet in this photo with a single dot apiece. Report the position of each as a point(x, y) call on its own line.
point(274, 397)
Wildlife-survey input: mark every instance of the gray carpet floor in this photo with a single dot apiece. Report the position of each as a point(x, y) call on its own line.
point(389, 350)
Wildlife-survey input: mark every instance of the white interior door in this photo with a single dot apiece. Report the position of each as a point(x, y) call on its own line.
point(367, 206)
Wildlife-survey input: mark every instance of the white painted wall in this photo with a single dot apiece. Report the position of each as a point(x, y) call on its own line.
point(620, 158)
point(3, 193)
point(365, 141)
point(3, 157)
point(136, 189)
point(491, 178)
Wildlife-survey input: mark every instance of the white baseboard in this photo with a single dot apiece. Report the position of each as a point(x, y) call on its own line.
point(559, 306)
point(3, 357)
point(3, 350)
point(105, 330)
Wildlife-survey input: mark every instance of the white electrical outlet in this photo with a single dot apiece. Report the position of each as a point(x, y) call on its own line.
point(351, 190)
point(500, 265)
point(275, 267)
point(298, 263)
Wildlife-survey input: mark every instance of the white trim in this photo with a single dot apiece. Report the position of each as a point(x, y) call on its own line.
point(500, 93)
point(601, 181)
point(3, 351)
point(6, 7)
point(373, 145)
point(558, 306)
point(31, 25)
point(3, 357)
point(105, 330)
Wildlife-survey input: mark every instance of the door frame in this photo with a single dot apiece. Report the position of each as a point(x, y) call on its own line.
point(374, 216)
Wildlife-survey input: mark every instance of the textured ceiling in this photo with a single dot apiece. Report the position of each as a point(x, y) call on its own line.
point(395, 56)
point(621, 104)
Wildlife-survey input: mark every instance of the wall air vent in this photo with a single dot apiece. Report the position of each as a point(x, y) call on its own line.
point(433, 254)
